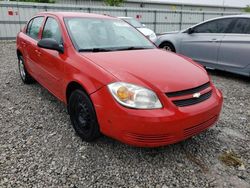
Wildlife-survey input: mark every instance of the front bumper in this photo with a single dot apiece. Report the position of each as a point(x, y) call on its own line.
point(158, 127)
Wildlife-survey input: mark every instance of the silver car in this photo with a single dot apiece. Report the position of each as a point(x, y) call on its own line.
point(221, 43)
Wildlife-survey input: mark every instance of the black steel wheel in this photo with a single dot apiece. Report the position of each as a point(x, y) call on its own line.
point(83, 116)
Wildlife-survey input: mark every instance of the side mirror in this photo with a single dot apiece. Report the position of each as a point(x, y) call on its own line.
point(190, 30)
point(51, 44)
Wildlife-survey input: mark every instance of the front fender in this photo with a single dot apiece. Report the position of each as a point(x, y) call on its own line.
point(91, 79)
point(174, 39)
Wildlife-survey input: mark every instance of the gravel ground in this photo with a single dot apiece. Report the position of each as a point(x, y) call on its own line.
point(39, 148)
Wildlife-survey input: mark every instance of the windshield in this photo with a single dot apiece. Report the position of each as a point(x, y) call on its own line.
point(133, 22)
point(95, 34)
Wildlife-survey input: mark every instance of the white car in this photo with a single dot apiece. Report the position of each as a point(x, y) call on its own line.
point(141, 27)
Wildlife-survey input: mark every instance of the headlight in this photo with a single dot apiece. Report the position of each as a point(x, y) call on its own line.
point(134, 96)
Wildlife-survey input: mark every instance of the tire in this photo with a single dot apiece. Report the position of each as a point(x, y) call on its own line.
point(167, 46)
point(83, 116)
point(25, 76)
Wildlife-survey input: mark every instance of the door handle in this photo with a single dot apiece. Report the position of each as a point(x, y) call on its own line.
point(38, 53)
point(23, 43)
point(215, 40)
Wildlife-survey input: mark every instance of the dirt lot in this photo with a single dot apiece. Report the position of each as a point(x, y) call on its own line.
point(39, 148)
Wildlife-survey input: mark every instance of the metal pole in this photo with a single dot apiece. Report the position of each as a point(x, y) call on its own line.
point(155, 20)
point(19, 18)
point(181, 20)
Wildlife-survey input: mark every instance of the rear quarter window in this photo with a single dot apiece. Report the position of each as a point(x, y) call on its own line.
point(242, 26)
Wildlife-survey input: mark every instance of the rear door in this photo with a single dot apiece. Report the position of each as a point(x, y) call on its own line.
point(235, 47)
point(203, 44)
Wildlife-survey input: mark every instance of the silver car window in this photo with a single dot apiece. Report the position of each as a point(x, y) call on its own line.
point(242, 26)
point(214, 26)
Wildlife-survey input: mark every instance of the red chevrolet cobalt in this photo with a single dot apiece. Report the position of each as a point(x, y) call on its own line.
point(115, 81)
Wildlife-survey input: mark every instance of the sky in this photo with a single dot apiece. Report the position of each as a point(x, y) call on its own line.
point(232, 3)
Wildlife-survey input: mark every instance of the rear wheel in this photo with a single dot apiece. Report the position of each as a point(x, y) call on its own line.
point(167, 46)
point(25, 76)
point(83, 116)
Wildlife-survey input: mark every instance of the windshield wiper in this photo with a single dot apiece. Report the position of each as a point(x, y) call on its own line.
point(95, 50)
point(113, 49)
point(134, 48)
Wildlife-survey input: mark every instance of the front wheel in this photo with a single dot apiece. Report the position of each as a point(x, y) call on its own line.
point(167, 46)
point(83, 116)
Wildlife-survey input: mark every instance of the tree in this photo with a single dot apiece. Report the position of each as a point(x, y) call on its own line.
point(115, 3)
point(247, 9)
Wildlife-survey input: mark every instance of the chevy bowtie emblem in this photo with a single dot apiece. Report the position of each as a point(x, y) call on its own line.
point(196, 95)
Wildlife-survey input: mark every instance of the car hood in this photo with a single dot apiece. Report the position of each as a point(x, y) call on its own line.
point(153, 68)
point(169, 33)
point(145, 31)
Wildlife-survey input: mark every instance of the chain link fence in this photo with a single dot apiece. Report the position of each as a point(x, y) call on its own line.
point(14, 15)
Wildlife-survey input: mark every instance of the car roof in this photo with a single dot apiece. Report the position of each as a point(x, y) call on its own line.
point(77, 14)
point(217, 18)
point(229, 16)
point(236, 16)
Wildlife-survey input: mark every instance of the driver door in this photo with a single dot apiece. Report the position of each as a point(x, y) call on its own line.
point(51, 61)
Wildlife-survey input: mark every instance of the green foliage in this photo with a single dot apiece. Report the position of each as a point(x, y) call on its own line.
point(247, 9)
point(115, 3)
point(36, 1)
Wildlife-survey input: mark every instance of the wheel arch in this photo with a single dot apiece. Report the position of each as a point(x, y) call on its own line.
point(72, 86)
point(19, 53)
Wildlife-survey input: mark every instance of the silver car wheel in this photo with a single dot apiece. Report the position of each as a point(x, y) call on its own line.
point(167, 48)
point(22, 69)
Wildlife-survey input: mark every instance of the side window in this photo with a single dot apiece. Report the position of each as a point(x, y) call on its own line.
point(34, 27)
point(215, 26)
point(242, 26)
point(52, 30)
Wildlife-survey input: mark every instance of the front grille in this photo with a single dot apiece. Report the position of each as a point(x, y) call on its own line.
point(192, 101)
point(180, 98)
point(188, 91)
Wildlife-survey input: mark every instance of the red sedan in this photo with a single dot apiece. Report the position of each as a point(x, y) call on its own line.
point(115, 81)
